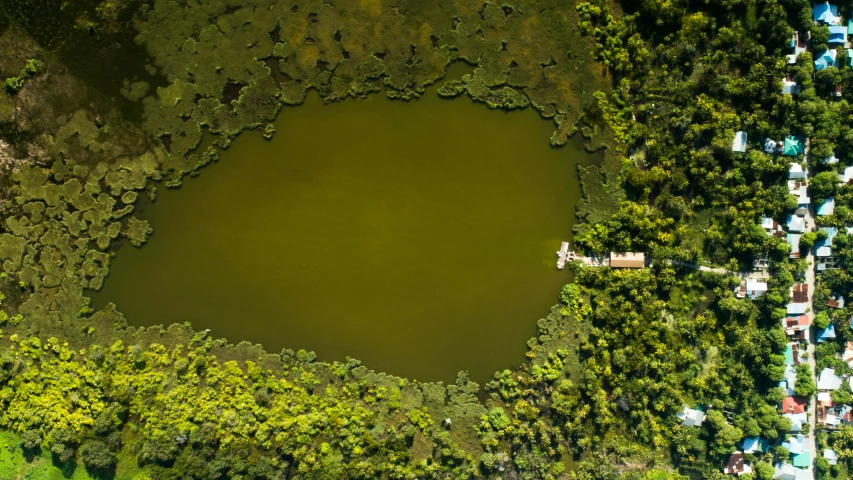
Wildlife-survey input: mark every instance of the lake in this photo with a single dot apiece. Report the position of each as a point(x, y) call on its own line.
point(417, 237)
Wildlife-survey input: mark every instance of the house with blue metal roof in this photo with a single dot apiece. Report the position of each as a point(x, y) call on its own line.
point(827, 207)
point(826, 59)
point(826, 13)
point(826, 334)
point(755, 444)
point(793, 146)
point(837, 35)
point(823, 248)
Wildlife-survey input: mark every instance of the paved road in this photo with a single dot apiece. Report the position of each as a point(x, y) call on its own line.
point(810, 281)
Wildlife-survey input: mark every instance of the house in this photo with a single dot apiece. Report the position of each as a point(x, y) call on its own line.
point(831, 160)
point(797, 420)
point(739, 143)
point(797, 325)
point(802, 459)
point(789, 86)
point(847, 356)
point(828, 380)
point(792, 354)
point(837, 35)
point(786, 471)
point(789, 380)
point(838, 90)
point(627, 260)
point(823, 247)
point(793, 146)
point(754, 444)
point(796, 171)
point(795, 445)
point(798, 45)
point(736, 465)
point(826, 13)
point(772, 227)
point(691, 418)
point(850, 50)
point(800, 293)
point(827, 207)
point(835, 302)
point(793, 404)
point(751, 288)
point(770, 145)
point(793, 240)
point(825, 59)
point(796, 224)
point(830, 456)
point(826, 334)
point(846, 177)
point(799, 189)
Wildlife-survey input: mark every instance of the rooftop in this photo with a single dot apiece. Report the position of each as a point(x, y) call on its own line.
point(739, 142)
point(827, 207)
point(826, 13)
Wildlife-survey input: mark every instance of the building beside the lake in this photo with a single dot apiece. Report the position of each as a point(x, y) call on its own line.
point(627, 260)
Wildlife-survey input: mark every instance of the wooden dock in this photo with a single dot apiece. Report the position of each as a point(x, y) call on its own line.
point(564, 255)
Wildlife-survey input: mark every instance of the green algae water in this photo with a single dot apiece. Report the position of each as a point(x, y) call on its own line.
point(417, 237)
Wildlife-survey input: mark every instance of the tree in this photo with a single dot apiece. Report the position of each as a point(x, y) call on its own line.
point(820, 37)
point(807, 240)
point(821, 320)
point(843, 395)
point(96, 455)
point(823, 185)
point(805, 386)
point(764, 471)
point(13, 85)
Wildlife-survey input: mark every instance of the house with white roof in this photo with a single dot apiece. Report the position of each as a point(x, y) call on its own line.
point(796, 224)
point(846, 176)
point(751, 288)
point(795, 444)
point(691, 418)
point(799, 189)
point(828, 380)
point(797, 420)
point(789, 380)
point(786, 471)
point(831, 456)
point(831, 160)
point(739, 142)
point(796, 171)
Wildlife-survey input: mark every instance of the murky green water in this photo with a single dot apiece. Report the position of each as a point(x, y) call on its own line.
point(419, 238)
